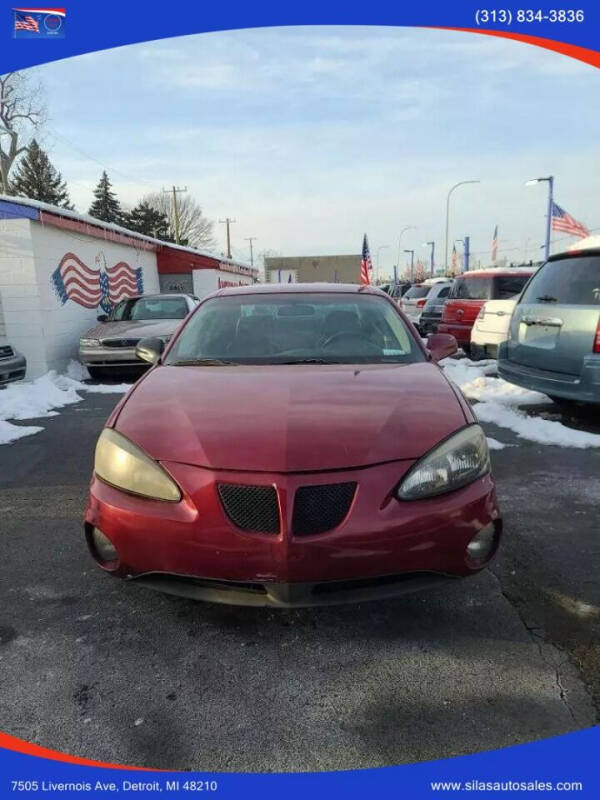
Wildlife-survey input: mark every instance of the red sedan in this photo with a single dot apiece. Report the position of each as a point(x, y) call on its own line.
point(293, 445)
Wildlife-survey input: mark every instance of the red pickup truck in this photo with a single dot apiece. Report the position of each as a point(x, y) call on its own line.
point(471, 290)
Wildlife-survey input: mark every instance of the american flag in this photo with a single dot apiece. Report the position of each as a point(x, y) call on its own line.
point(366, 264)
point(495, 244)
point(25, 22)
point(90, 288)
point(561, 221)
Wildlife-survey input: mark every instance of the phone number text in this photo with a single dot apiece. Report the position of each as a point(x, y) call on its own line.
point(507, 16)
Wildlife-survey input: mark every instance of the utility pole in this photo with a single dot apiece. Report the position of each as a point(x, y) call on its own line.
point(175, 190)
point(251, 239)
point(227, 221)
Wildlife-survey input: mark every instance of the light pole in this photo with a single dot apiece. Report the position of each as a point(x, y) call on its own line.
point(379, 249)
point(550, 181)
point(412, 262)
point(456, 185)
point(402, 232)
point(432, 245)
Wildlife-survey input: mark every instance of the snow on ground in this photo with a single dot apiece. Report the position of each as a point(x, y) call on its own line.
point(41, 398)
point(494, 444)
point(496, 399)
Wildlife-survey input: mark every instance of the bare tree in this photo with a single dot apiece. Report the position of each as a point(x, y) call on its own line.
point(194, 228)
point(21, 111)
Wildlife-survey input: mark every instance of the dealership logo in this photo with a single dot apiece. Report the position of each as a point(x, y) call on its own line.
point(39, 23)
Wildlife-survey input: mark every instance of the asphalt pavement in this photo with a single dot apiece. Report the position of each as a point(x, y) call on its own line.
point(109, 670)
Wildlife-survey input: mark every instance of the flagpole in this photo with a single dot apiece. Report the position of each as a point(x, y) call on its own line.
point(549, 220)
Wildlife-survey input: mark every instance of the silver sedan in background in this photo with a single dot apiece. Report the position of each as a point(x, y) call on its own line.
point(112, 343)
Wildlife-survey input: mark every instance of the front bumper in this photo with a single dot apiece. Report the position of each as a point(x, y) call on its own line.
point(12, 368)
point(193, 548)
point(109, 357)
point(582, 388)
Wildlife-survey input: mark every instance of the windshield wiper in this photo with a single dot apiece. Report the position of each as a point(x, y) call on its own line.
point(203, 362)
point(546, 298)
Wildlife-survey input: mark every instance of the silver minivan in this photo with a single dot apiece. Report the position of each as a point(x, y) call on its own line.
point(554, 337)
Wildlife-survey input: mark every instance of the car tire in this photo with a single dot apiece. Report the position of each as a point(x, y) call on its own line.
point(96, 373)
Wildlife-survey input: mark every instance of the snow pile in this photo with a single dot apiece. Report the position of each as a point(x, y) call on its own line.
point(41, 398)
point(536, 429)
point(496, 399)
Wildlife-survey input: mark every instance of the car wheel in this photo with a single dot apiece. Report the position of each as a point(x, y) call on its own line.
point(96, 373)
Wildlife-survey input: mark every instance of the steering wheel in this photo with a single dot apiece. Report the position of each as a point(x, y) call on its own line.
point(366, 346)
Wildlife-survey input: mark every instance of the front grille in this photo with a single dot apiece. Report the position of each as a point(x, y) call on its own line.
point(251, 508)
point(6, 351)
point(320, 508)
point(120, 342)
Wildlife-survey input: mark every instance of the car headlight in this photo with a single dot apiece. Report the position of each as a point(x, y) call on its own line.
point(89, 342)
point(458, 461)
point(122, 464)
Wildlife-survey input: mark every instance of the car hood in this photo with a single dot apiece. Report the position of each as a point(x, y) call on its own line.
point(290, 418)
point(140, 329)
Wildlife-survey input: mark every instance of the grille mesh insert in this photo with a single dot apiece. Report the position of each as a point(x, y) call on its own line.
point(320, 508)
point(251, 508)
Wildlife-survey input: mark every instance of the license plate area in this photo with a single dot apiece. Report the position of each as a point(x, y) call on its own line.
point(542, 336)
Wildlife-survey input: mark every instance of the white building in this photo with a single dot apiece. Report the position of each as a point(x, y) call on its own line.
point(59, 270)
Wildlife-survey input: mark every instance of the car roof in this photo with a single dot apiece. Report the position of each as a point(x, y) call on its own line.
point(158, 294)
point(585, 251)
point(299, 288)
point(494, 272)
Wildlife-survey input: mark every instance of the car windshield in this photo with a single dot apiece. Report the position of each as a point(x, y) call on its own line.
point(293, 329)
point(145, 308)
point(471, 289)
point(508, 286)
point(415, 292)
point(572, 281)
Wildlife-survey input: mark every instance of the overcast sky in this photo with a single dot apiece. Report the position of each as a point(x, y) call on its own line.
point(311, 136)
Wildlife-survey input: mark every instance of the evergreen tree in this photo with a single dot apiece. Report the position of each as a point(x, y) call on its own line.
point(37, 178)
point(147, 220)
point(106, 206)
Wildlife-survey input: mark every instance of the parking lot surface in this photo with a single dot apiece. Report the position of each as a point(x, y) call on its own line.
point(109, 670)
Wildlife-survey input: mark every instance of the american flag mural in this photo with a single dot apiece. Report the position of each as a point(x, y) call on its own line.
point(562, 221)
point(90, 288)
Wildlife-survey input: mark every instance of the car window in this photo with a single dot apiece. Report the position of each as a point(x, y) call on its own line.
point(444, 291)
point(472, 289)
point(415, 292)
point(280, 328)
point(118, 311)
point(507, 286)
point(569, 280)
point(157, 308)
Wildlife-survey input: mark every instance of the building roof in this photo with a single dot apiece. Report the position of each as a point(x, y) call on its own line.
point(11, 200)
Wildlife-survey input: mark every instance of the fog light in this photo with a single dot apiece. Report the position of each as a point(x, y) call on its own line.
point(103, 546)
point(483, 544)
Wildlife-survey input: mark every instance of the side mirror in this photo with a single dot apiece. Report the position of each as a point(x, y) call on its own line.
point(102, 317)
point(150, 349)
point(441, 345)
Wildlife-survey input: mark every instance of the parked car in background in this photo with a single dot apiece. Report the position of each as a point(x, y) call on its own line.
point(416, 297)
point(247, 491)
point(491, 328)
point(395, 290)
point(469, 293)
point(434, 306)
point(112, 343)
point(554, 337)
point(13, 365)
